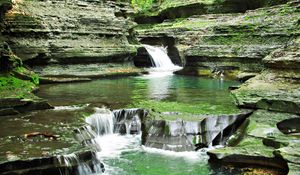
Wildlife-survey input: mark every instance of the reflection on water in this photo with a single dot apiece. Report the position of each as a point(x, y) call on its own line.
point(158, 86)
point(119, 93)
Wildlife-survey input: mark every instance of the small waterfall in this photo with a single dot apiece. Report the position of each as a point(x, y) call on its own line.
point(128, 120)
point(160, 58)
point(114, 131)
point(102, 120)
point(75, 164)
point(86, 136)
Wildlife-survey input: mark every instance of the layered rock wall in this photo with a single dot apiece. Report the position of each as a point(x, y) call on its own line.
point(67, 32)
point(231, 43)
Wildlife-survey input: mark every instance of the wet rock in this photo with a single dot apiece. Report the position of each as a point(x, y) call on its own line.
point(53, 165)
point(85, 135)
point(273, 89)
point(260, 144)
point(58, 73)
point(181, 135)
point(11, 106)
point(244, 76)
point(128, 121)
point(49, 80)
point(289, 126)
point(8, 111)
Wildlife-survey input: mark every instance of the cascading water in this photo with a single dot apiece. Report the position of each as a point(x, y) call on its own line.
point(110, 138)
point(118, 131)
point(160, 59)
point(102, 120)
point(73, 164)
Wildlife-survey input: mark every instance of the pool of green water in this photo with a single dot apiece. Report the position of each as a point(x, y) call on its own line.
point(164, 93)
point(143, 163)
point(183, 94)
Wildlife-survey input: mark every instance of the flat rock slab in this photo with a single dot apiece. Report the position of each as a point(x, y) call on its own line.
point(262, 144)
point(84, 72)
point(271, 92)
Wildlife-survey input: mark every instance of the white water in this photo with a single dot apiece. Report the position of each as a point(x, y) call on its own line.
point(113, 144)
point(160, 60)
point(70, 108)
point(102, 120)
point(83, 168)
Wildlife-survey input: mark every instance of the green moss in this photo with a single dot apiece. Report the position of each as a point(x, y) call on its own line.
point(175, 24)
point(35, 79)
point(142, 5)
point(205, 72)
point(244, 39)
point(248, 147)
point(15, 88)
point(184, 108)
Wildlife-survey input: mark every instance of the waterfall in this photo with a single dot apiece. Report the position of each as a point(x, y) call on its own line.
point(111, 131)
point(128, 120)
point(102, 121)
point(76, 164)
point(160, 59)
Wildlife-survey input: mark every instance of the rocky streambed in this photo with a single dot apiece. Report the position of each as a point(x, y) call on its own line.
point(46, 42)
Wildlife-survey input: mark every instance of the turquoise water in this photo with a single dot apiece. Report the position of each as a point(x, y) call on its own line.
point(122, 155)
point(121, 92)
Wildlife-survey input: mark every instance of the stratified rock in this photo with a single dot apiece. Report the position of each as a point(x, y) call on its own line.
point(274, 89)
point(84, 162)
point(67, 32)
point(229, 43)
point(83, 72)
point(285, 58)
point(181, 9)
point(184, 135)
point(262, 145)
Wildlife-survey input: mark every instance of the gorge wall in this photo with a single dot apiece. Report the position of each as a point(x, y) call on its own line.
point(259, 41)
point(66, 41)
point(230, 42)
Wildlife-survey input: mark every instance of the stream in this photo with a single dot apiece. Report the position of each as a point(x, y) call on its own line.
point(79, 103)
point(120, 154)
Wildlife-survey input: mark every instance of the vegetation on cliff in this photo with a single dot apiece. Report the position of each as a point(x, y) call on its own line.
point(253, 40)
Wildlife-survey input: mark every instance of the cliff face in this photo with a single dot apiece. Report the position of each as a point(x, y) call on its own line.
point(57, 39)
point(67, 32)
point(232, 43)
point(171, 9)
point(262, 43)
